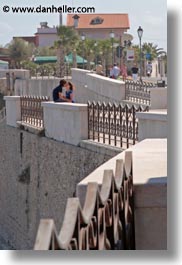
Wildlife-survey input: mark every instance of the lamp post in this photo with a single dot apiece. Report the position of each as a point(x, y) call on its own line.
point(83, 39)
point(140, 33)
point(75, 25)
point(112, 35)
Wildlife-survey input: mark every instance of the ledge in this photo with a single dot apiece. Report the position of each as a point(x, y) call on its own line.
point(64, 106)
point(13, 98)
point(30, 128)
point(100, 148)
point(156, 115)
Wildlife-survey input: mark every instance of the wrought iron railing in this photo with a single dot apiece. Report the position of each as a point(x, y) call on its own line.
point(32, 111)
point(113, 124)
point(106, 221)
point(138, 92)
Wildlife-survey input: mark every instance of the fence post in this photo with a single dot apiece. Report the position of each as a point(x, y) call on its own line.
point(13, 110)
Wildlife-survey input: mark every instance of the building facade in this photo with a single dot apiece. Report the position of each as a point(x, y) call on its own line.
point(99, 26)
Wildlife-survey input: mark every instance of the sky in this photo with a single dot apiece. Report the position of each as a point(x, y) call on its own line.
point(151, 15)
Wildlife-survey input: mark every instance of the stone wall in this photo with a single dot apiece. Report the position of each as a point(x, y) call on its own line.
point(37, 175)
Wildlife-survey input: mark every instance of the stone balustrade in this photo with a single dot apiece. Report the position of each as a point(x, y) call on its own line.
point(150, 191)
point(68, 122)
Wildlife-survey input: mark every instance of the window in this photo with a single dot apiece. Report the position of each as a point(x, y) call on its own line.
point(97, 20)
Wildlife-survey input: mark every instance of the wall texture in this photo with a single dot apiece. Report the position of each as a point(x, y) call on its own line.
point(37, 175)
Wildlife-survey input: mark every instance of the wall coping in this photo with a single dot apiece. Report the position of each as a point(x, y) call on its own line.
point(100, 147)
point(149, 173)
point(157, 115)
point(111, 80)
point(64, 106)
point(13, 98)
point(158, 88)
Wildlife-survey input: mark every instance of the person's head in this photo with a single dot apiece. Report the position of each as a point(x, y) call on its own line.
point(63, 83)
point(115, 64)
point(69, 86)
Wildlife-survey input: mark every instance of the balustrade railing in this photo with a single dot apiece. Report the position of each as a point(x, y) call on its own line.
point(106, 221)
point(32, 111)
point(138, 92)
point(113, 124)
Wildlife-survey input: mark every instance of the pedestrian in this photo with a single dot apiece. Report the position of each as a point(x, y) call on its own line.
point(69, 92)
point(149, 69)
point(115, 71)
point(134, 71)
point(58, 92)
point(124, 71)
point(99, 69)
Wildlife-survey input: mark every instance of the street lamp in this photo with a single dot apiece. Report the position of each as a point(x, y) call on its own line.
point(83, 39)
point(140, 33)
point(112, 35)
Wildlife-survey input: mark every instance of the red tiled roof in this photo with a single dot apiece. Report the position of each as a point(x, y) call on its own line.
point(109, 21)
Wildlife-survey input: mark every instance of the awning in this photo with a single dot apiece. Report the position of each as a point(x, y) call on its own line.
point(3, 62)
point(53, 59)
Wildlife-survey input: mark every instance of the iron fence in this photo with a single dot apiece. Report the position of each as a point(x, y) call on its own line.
point(106, 221)
point(32, 111)
point(138, 92)
point(113, 124)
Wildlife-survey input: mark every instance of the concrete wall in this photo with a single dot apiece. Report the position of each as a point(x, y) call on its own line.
point(152, 124)
point(66, 122)
point(158, 98)
point(37, 175)
point(90, 86)
point(36, 87)
point(13, 110)
point(19, 73)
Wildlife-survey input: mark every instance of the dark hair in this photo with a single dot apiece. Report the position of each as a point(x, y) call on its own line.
point(63, 82)
point(71, 85)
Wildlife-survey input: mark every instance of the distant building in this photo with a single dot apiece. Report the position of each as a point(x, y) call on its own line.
point(99, 26)
point(45, 35)
point(94, 26)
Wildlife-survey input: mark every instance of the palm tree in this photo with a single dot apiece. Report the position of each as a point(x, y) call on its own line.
point(86, 50)
point(67, 39)
point(105, 47)
point(19, 50)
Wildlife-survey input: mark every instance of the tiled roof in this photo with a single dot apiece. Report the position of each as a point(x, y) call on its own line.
point(109, 21)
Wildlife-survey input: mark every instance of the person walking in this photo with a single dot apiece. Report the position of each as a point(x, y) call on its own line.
point(124, 71)
point(134, 71)
point(115, 71)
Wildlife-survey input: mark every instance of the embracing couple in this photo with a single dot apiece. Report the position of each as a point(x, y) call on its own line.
point(58, 92)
